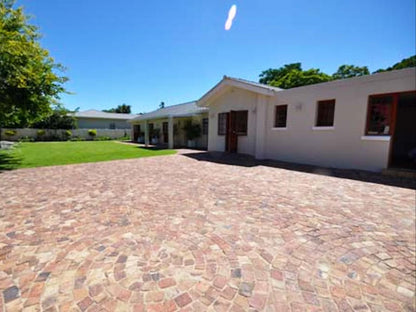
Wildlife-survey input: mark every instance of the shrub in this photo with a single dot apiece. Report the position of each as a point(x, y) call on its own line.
point(102, 138)
point(67, 134)
point(10, 132)
point(92, 132)
point(40, 132)
point(124, 138)
point(26, 139)
point(192, 131)
point(76, 138)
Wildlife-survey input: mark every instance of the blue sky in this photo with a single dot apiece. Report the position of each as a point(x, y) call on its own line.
point(144, 52)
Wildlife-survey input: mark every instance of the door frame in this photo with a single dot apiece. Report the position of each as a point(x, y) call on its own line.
point(392, 133)
point(231, 137)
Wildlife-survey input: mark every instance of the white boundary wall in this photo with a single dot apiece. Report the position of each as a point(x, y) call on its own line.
point(81, 133)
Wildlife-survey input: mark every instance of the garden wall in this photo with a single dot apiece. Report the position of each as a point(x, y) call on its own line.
point(51, 133)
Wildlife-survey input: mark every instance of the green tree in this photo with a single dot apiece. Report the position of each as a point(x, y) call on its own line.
point(29, 79)
point(349, 71)
point(292, 75)
point(60, 118)
point(162, 105)
point(121, 109)
point(405, 63)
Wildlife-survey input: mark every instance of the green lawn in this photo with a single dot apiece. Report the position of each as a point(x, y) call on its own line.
point(39, 154)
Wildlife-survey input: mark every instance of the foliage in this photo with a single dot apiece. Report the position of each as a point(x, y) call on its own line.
point(102, 138)
point(10, 132)
point(405, 63)
point(291, 76)
point(192, 131)
point(61, 153)
point(40, 132)
point(124, 138)
point(155, 133)
point(59, 118)
point(162, 105)
point(349, 71)
point(26, 139)
point(67, 133)
point(121, 109)
point(92, 132)
point(77, 138)
point(29, 82)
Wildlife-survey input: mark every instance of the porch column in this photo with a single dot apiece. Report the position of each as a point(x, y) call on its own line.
point(170, 132)
point(146, 133)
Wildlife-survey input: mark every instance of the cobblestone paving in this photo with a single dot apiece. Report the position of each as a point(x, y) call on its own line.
point(173, 233)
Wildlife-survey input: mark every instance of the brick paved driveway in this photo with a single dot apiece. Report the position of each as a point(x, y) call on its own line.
point(170, 233)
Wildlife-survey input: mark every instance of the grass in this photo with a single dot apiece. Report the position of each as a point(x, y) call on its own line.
point(40, 154)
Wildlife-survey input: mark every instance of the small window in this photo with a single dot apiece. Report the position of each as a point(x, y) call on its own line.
point(325, 116)
point(205, 126)
point(281, 116)
point(112, 125)
point(379, 115)
point(241, 118)
point(222, 123)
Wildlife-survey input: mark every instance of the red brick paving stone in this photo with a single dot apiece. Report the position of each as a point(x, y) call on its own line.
point(219, 281)
point(167, 282)
point(85, 303)
point(183, 300)
point(307, 237)
point(257, 301)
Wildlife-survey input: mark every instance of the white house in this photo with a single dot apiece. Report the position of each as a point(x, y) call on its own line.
point(94, 119)
point(365, 122)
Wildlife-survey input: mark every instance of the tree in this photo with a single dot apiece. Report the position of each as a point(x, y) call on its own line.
point(405, 63)
point(121, 109)
point(162, 105)
point(292, 75)
point(29, 82)
point(58, 119)
point(349, 71)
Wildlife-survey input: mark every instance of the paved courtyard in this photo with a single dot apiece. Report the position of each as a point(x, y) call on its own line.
point(174, 233)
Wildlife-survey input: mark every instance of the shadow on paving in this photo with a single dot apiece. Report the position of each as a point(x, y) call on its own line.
point(249, 161)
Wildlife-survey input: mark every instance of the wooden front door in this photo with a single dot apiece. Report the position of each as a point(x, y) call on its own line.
point(165, 132)
point(232, 138)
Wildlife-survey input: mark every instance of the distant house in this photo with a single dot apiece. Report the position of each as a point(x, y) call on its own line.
point(94, 119)
point(166, 126)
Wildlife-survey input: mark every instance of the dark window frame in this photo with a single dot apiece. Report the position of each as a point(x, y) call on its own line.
point(392, 113)
point(280, 109)
point(241, 120)
point(324, 118)
point(205, 126)
point(222, 123)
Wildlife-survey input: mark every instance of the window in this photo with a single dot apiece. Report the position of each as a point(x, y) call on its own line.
point(205, 126)
point(222, 123)
point(379, 115)
point(241, 118)
point(280, 116)
point(325, 116)
point(112, 125)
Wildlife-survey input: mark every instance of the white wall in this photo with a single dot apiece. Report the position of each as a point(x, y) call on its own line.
point(82, 133)
point(100, 123)
point(234, 99)
point(341, 147)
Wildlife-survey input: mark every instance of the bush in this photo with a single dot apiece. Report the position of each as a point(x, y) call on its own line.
point(192, 131)
point(102, 138)
point(76, 138)
point(67, 134)
point(124, 138)
point(10, 132)
point(92, 132)
point(40, 133)
point(26, 139)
